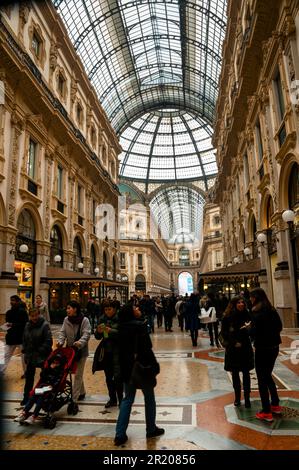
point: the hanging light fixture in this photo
(57, 258)
(288, 216)
(246, 251)
(80, 265)
(23, 248)
(261, 238)
(96, 270)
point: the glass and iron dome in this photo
(155, 66)
(167, 145)
(148, 54)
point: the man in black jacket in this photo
(16, 319)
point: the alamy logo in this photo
(295, 354)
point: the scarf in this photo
(76, 320)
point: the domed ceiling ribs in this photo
(155, 66)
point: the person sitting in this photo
(50, 377)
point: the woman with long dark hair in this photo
(76, 332)
(238, 349)
(135, 342)
(266, 332)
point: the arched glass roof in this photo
(155, 66)
(167, 146)
(178, 211)
(148, 54)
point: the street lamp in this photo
(96, 271)
(236, 260)
(261, 238)
(288, 216)
(80, 265)
(23, 248)
(246, 251)
(57, 258)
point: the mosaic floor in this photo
(194, 404)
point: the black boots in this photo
(237, 401)
(247, 399)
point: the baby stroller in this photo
(62, 393)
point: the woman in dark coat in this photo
(37, 345)
(266, 333)
(238, 349)
(107, 331)
(134, 341)
(192, 321)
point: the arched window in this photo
(293, 188)
(26, 236)
(93, 259)
(56, 246)
(77, 257)
(140, 284)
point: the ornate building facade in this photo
(58, 160)
(256, 136)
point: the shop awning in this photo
(237, 271)
(60, 275)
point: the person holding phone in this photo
(238, 350)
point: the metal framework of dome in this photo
(155, 66)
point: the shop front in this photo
(69, 285)
(25, 257)
(231, 280)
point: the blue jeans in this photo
(126, 406)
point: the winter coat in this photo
(191, 315)
(37, 342)
(266, 327)
(134, 339)
(237, 358)
(69, 332)
(110, 345)
(18, 317)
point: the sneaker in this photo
(264, 416)
(156, 432)
(276, 409)
(118, 441)
(31, 420)
(110, 403)
(22, 416)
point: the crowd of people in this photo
(249, 333)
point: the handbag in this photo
(144, 376)
(205, 313)
(99, 357)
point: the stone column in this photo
(284, 276)
(42, 260)
(8, 280)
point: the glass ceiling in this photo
(148, 54)
(167, 146)
(178, 211)
(155, 66)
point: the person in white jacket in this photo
(208, 316)
(76, 331)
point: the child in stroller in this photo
(53, 390)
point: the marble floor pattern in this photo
(194, 404)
